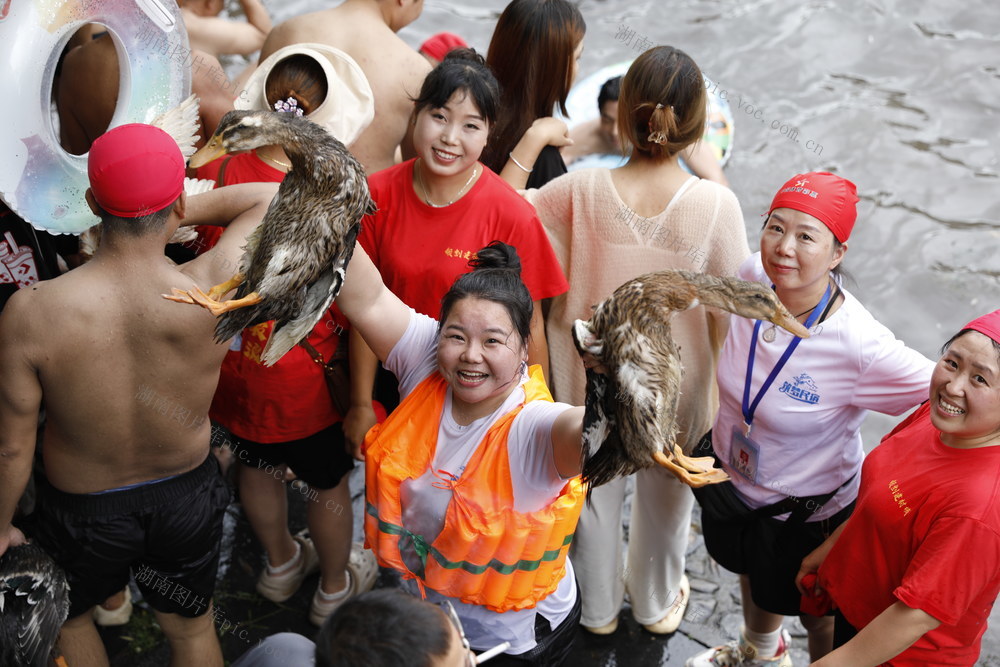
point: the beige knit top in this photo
(601, 243)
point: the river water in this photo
(900, 96)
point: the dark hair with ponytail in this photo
(661, 108)
(495, 276)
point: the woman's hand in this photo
(810, 565)
(812, 562)
(550, 131)
(357, 422)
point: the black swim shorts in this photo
(320, 460)
(167, 532)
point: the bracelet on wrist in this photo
(519, 165)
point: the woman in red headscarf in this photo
(790, 413)
(926, 529)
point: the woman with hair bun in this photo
(472, 483)
(647, 215)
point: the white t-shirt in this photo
(536, 483)
(807, 426)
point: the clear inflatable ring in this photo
(40, 181)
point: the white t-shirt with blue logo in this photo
(805, 437)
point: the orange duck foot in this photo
(693, 479)
(196, 296)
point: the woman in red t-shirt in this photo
(283, 416)
(916, 569)
(437, 210)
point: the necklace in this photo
(420, 182)
(772, 332)
(284, 165)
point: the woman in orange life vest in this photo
(473, 491)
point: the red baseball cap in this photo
(827, 197)
(987, 324)
(135, 170)
(439, 45)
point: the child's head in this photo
(317, 81)
(299, 77)
(661, 108)
(461, 70)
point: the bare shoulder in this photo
(22, 322)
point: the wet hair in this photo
(383, 628)
(661, 107)
(461, 69)
(298, 76)
(944, 348)
(610, 92)
(496, 277)
(138, 226)
(531, 53)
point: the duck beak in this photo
(210, 151)
(784, 319)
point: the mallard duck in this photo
(294, 262)
(629, 421)
(34, 602)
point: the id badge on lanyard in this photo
(744, 454)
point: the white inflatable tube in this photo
(40, 181)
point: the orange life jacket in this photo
(487, 553)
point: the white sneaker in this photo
(280, 587)
(742, 653)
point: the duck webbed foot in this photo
(696, 472)
(210, 301)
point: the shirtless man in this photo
(366, 30)
(126, 379)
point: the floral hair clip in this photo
(290, 105)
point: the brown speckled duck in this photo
(630, 417)
(294, 262)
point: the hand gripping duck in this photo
(630, 417)
(294, 262)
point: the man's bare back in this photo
(127, 377)
(366, 30)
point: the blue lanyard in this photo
(750, 408)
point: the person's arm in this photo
(814, 560)
(543, 132)
(20, 400)
(218, 36)
(567, 442)
(538, 346)
(889, 634)
(360, 417)
(214, 90)
(240, 208)
(378, 314)
(700, 158)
